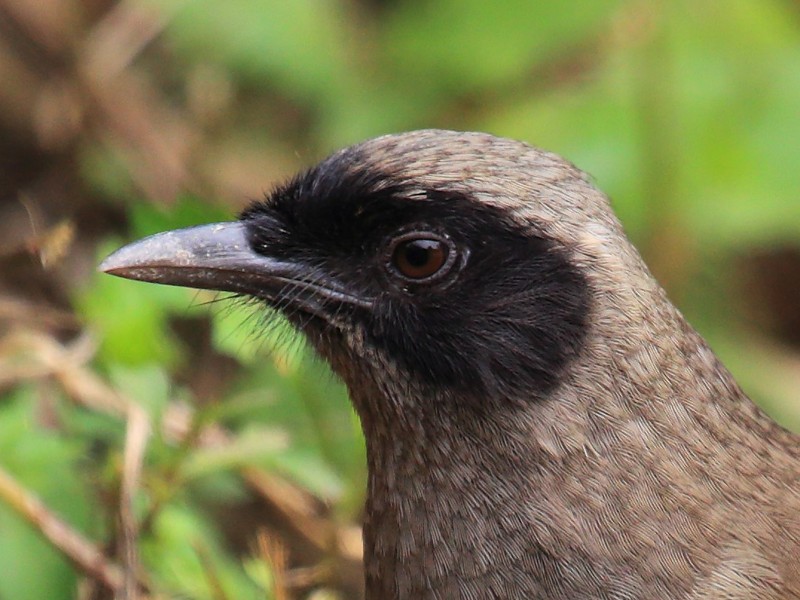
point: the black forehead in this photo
(340, 205)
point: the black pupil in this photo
(418, 252)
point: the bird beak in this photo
(219, 257)
(211, 257)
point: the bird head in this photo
(429, 264)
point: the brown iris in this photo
(420, 257)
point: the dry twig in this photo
(83, 553)
(135, 443)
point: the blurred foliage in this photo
(124, 119)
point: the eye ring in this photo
(421, 256)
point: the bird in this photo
(541, 422)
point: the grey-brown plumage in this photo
(540, 421)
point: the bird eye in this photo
(422, 256)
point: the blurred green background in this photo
(201, 455)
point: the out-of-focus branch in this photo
(274, 553)
(83, 553)
(136, 437)
(121, 35)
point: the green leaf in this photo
(147, 385)
(186, 558)
(297, 46)
(466, 44)
(255, 445)
(132, 318)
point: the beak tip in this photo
(158, 258)
(108, 265)
(123, 259)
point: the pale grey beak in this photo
(219, 257)
(212, 257)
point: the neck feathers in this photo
(629, 480)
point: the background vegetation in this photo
(155, 443)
